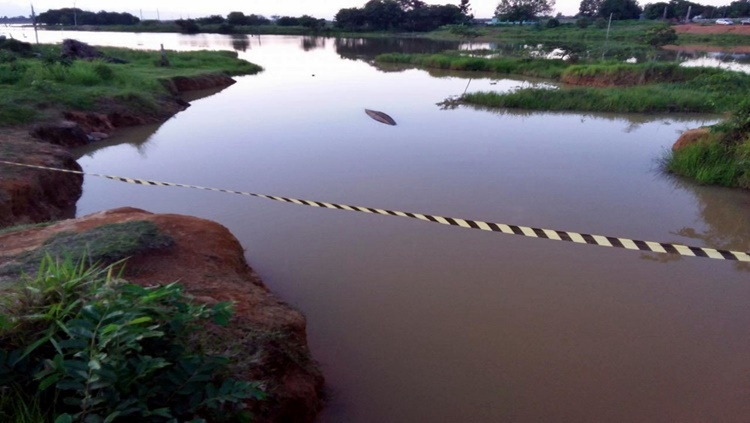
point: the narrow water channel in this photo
(416, 322)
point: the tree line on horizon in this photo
(404, 15)
(71, 16)
(409, 15)
(528, 10)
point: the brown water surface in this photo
(416, 322)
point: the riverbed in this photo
(414, 321)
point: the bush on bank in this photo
(77, 344)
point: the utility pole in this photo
(158, 18)
(75, 15)
(687, 18)
(665, 13)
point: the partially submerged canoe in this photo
(380, 117)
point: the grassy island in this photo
(597, 86)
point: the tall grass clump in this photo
(645, 99)
(722, 158)
(625, 74)
(78, 344)
(708, 163)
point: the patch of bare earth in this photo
(712, 29)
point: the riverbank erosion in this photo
(266, 339)
(34, 196)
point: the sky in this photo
(175, 9)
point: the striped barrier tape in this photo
(575, 237)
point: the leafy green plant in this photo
(93, 348)
(737, 128)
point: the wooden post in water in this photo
(33, 21)
(164, 62)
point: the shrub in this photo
(553, 23)
(583, 23)
(660, 36)
(736, 129)
(93, 348)
(600, 23)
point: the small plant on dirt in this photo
(736, 129)
(89, 347)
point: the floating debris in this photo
(380, 117)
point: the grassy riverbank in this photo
(37, 84)
(717, 156)
(597, 86)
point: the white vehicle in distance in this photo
(745, 22)
(724, 22)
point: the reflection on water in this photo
(240, 42)
(417, 322)
(313, 42)
(724, 211)
(722, 62)
(368, 48)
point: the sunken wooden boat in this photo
(380, 117)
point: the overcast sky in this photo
(170, 9)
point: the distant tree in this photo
(211, 20)
(310, 22)
(656, 11)
(257, 20)
(188, 26)
(677, 9)
(590, 8)
(69, 16)
(384, 14)
(465, 7)
(236, 18)
(660, 36)
(351, 19)
(523, 10)
(409, 15)
(287, 21)
(620, 9)
(738, 9)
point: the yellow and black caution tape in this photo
(578, 238)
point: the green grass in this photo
(541, 68)
(647, 99)
(31, 88)
(634, 88)
(712, 163)
(18, 407)
(105, 244)
(19, 228)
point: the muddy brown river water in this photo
(416, 322)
